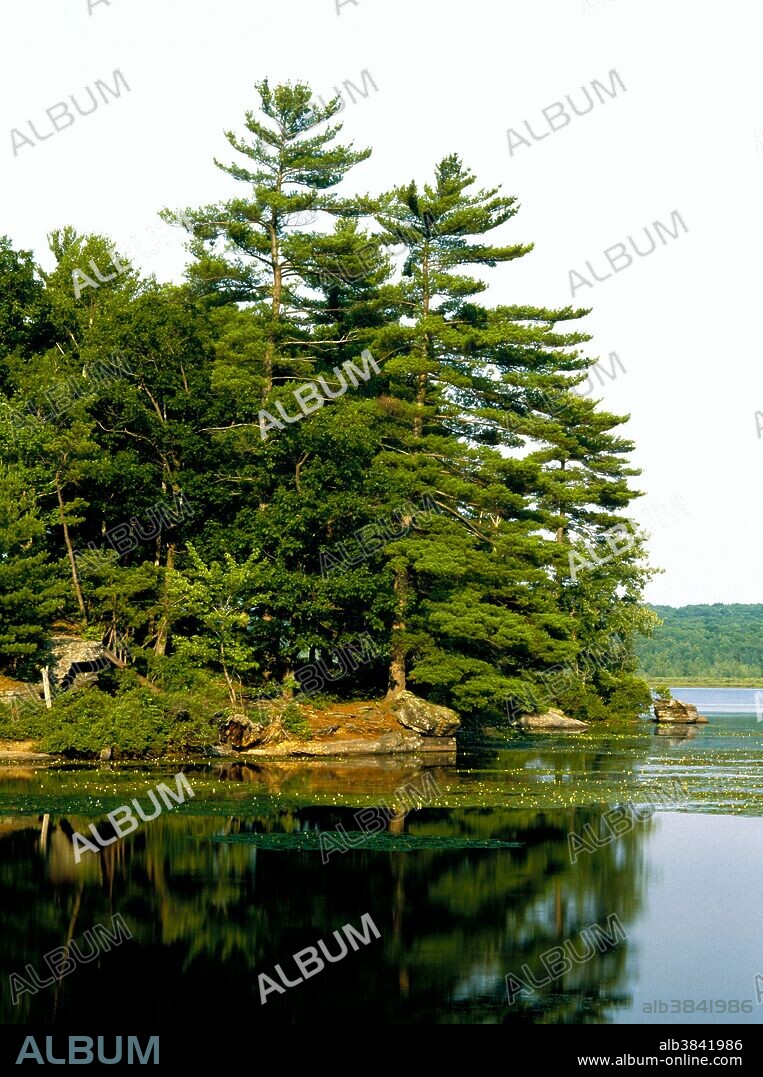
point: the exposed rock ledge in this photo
(388, 744)
(372, 727)
(672, 710)
(550, 721)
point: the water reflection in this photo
(208, 917)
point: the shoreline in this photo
(689, 682)
(337, 736)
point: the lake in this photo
(654, 901)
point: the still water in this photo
(230, 884)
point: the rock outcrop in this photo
(76, 662)
(550, 721)
(675, 712)
(404, 740)
(241, 733)
(404, 725)
(428, 719)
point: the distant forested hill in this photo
(707, 644)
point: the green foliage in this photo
(628, 696)
(135, 722)
(30, 592)
(22, 722)
(219, 596)
(582, 701)
(294, 722)
(211, 540)
(705, 644)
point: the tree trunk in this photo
(562, 529)
(46, 687)
(44, 833)
(275, 308)
(163, 631)
(231, 688)
(70, 549)
(397, 659)
(422, 379)
(120, 663)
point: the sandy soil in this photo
(20, 749)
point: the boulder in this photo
(239, 732)
(428, 719)
(676, 712)
(76, 662)
(550, 721)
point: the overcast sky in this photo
(679, 128)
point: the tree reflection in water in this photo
(207, 917)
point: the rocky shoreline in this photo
(405, 723)
(387, 744)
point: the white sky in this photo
(686, 135)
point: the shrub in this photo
(629, 698)
(22, 722)
(294, 722)
(135, 722)
(581, 701)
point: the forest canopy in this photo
(324, 435)
(705, 644)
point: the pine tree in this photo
(30, 592)
(600, 557)
(459, 369)
(253, 248)
(297, 303)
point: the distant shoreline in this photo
(708, 682)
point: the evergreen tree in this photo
(253, 249)
(297, 304)
(460, 366)
(24, 319)
(30, 593)
(478, 376)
